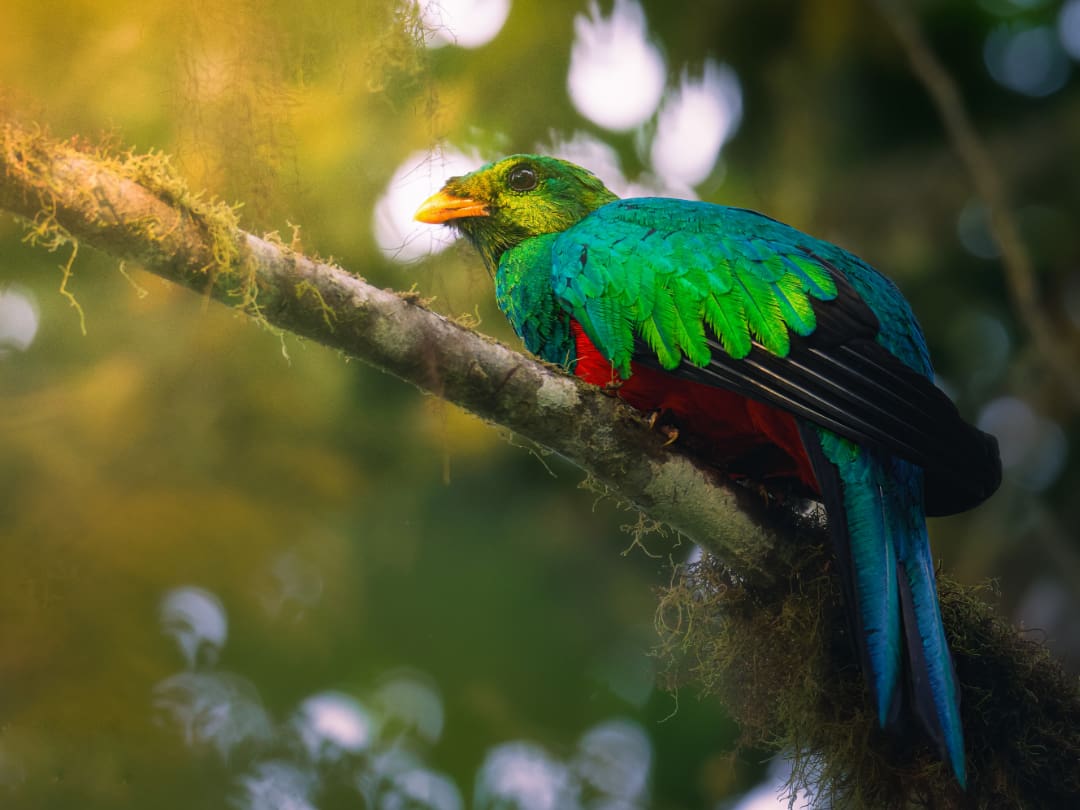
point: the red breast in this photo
(748, 438)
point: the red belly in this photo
(747, 438)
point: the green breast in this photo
(524, 293)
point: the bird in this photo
(787, 360)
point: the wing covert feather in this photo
(671, 267)
(731, 298)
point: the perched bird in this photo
(785, 357)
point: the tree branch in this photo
(137, 209)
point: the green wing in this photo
(669, 271)
(730, 298)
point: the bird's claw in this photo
(672, 434)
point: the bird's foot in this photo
(611, 388)
(672, 434)
(652, 421)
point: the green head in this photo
(506, 202)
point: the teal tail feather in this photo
(876, 520)
(935, 695)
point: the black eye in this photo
(522, 178)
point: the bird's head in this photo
(504, 203)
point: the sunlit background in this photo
(240, 571)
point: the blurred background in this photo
(241, 571)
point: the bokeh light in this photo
(19, 316)
(293, 585)
(1069, 28)
(410, 703)
(616, 72)
(602, 160)
(465, 23)
(1027, 60)
(695, 121)
(1014, 424)
(333, 741)
(524, 776)
(775, 792)
(598, 156)
(196, 621)
(1033, 449)
(628, 670)
(421, 174)
(277, 785)
(216, 710)
(332, 724)
(615, 759)
(421, 789)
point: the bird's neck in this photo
(492, 244)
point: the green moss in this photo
(328, 314)
(66, 268)
(155, 172)
(31, 155)
(782, 663)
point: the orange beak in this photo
(441, 207)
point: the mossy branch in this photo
(764, 629)
(137, 209)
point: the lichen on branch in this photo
(135, 207)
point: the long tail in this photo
(935, 695)
(876, 520)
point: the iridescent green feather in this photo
(795, 306)
(611, 326)
(659, 329)
(671, 271)
(813, 275)
(763, 314)
(690, 322)
(726, 316)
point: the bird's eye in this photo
(522, 178)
